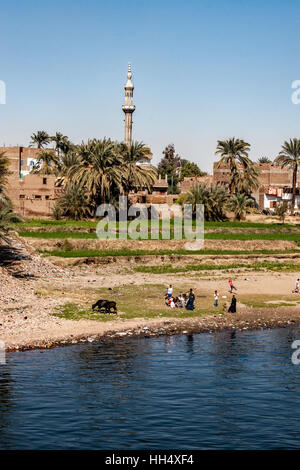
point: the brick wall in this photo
(21, 157)
(270, 175)
(33, 195)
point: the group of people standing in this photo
(187, 300)
(184, 300)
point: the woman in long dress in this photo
(191, 300)
(232, 308)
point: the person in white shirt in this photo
(216, 298)
(297, 286)
(170, 290)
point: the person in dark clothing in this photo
(191, 300)
(232, 308)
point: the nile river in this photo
(207, 391)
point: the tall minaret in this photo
(128, 107)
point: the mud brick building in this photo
(188, 182)
(22, 159)
(31, 195)
(275, 184)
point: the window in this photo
(22, 196)
(37, 196)
(47, 197)
(44, 180)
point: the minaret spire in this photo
(128, 107)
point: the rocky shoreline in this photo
(257, 320)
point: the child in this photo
(170, 290)
(181, 301)
(231, 286)
(216, 298)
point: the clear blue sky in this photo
(203, 70)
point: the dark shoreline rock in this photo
(171, 329)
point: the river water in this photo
(206, 391)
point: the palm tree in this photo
(246, 179)
(99, 169)
(213, 198)
(47, 163)
(264, 160)
(290, 157)
(41, 138)
(7, 218)
(239, 203)
(74, 203)
(66, 145)
(4, 170)
(59, 140)
(233, 152)
(135, 176)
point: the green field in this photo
(102, 254)
(208, 236)
(33, 223)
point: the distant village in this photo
(35, 194)
(34, 189)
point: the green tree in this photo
(190, 169)
(170, 166)
(41, 138)
(239, 204)
(233, 152)
(290, 157)
(281, 210)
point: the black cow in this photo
(106, 304)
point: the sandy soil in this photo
(95, 244)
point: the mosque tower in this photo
(128, 107)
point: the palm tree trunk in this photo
(231, 186)
(294, 189)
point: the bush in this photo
(67, 246)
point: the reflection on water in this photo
(229, 390)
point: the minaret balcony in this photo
(128, 108)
